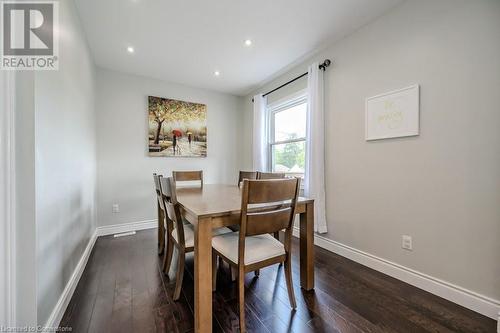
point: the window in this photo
(287, 143)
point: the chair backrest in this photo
(270, 175)
(246, 175)
(156, 179)
(188, 176)
(174, 219)
(168, 190)
(268, 206)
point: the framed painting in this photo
(176, 128)
(393, 114)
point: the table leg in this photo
(203, 276)
(307, 247)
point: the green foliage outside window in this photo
(290, 154)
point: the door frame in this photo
(7, 199)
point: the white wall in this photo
(124, 171)
(442, 187)
(25, 227)
(65, 162)
(17, 147)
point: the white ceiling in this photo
(185, 41)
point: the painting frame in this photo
(401, 119)
(176, 128)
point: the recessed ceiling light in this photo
(216, 73)
(248, 42)
(130, 49)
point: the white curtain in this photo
(314, 185)
(260, 131)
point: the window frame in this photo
(280, 105)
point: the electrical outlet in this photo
(116, 208)
(407, 243)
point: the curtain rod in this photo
(322, 66)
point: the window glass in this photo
(288, 137)
(289, 158)
(290, 123)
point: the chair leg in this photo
(161, 243)
(214, 271)
(167, 259)
(180, 275)
(289, 283)
(161, 233)
(277, 236)
(234, 273)
(221, 262)
(257, 272)
(241, 299)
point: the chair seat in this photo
(189, 233)
(257, 248)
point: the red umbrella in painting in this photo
(177, 133)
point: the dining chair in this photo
(266, 207)
(161, 213)
(242, 176)
(246, 175)
(270, 175)
(180, 233)
(188, 177)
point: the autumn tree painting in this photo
(177, 128)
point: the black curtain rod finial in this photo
(325, 64)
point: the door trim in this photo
(7, 198)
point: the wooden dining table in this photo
(214, 206)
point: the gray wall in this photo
(65, 162)
(124, 170)
(442, 187)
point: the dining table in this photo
(214, 206)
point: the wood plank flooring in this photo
(122, 290)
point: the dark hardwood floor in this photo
(122, 290)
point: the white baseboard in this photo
(126, 227)
(62, 303)
(456, 294)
